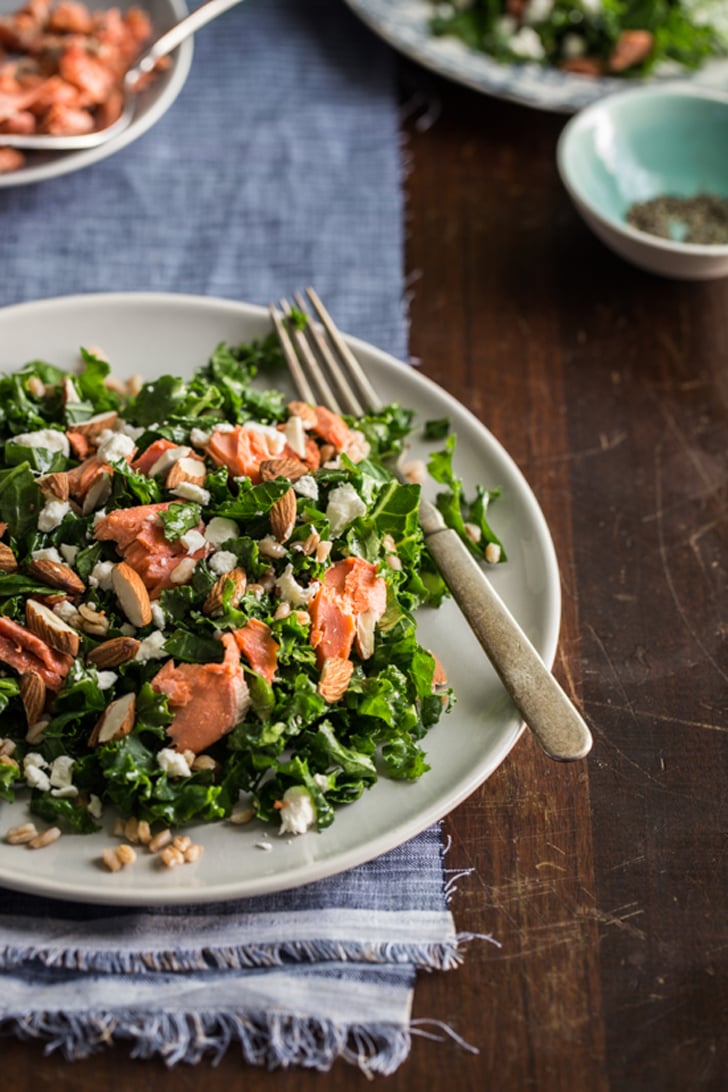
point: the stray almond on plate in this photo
(335, 676)
(50, 628)
(57, 575)
(119, 650)
(116, 721)
(283, 516)
(132, 594)
(33, 695)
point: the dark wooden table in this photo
(605, 881)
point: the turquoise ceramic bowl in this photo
(640, 144)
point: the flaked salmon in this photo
(350, 588)
(139, 537)
(207, 700)
(24, 651)
(258, 646)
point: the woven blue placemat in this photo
(279, 165)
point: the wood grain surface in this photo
(604, 882)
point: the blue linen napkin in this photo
(278, 166)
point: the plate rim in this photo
(341, 860)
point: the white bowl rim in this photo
(643, 238)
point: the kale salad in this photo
(208, 595)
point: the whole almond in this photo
(119, 650)
(188, 469)
(33, 695)
(116, 721)
(57, 575)
(8, 561)
(335, 676)
(50, 628)
(306, 412)
(283, 516)
(95, 425)
(290, 468)
(55, 485)
(214, 601)
(132, 594)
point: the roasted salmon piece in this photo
(259, 648)
(140, 539)
(207, 700)
(350, 588)
(242, 449)
(24, 651)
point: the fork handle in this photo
(548, 712)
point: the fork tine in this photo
(299, 379)
(366, 391)
(308, 362)
(346, 392)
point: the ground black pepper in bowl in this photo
(701, 219)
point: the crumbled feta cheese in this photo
(100, 575)
(36, 778)
(527, 44)
(191, 492)
(307, 486)
(219, 530)
(538, 11)
(34, 759)
(193, 541)
(49, 439)
(98, 516)
(167, 460)
(69, 553)
(295, 435)
(49, 554)
(151, 648)
(67, 613)
(127, 629)
(114, 445)
(158, 615)
(106, 679)
(292, 592)
(61, 769)
(130, 430)
(322, 782)
(173, 763)
(94, 807)
(573, 45)
(222, 561)
(224, 426)
(66, 793)
(344, 506)
(198, 438)
(297, 812)
(52, 514)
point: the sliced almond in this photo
(50, 628)
(283, 516)
(187, 469)
(55, 485)
(214, 602)
(8, 561)
(132, 595)
(366, 622)
(335, 676)
(119, 650)
(70, 394)
(57, 575)
(290, 468)
(98, 493)
(95, 425)
(116, 721)
(306, 412)
(33, 695)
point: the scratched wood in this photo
(604, 883)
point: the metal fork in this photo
(325, 370)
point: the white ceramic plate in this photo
(405, 25)
(153, 334)
(152, 104)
